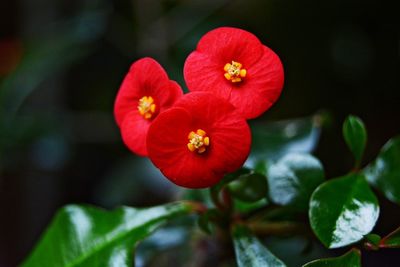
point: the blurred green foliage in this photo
(58, 141)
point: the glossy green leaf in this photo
(250, 252)
(392, 240)
(292, 180)
(343, 210)
(350, 259)
(384, 172)
(355, 135)
(273, 140)
(88, 236)
(249, 187)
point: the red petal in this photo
(262, 86)
(166, 97)
(134, 131)
(229, 140)
(167, 147)
(203, 74)
(167, 137)
(258, 91)
(229, 133)
(226, 44)
(145, 78)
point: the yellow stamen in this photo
(146, 107)
(234, 72)
(198, 141)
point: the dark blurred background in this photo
(61, 64)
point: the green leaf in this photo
(350, 259)
(384, 172)
(293, 178)
(249, 187)
(88, 236)
(343, 210)
(271, 141)
(392, 240)
(355, 135)
(250, 252)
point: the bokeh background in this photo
(61, 64)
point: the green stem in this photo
(227, 199)
(215, 198)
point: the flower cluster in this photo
(197, 138)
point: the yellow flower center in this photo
(146, 107)
(234, 72)
(198, 141)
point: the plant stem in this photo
(215, 198)
(227, 199)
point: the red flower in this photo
(235, 65)
(145, 92)
(198, 140)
